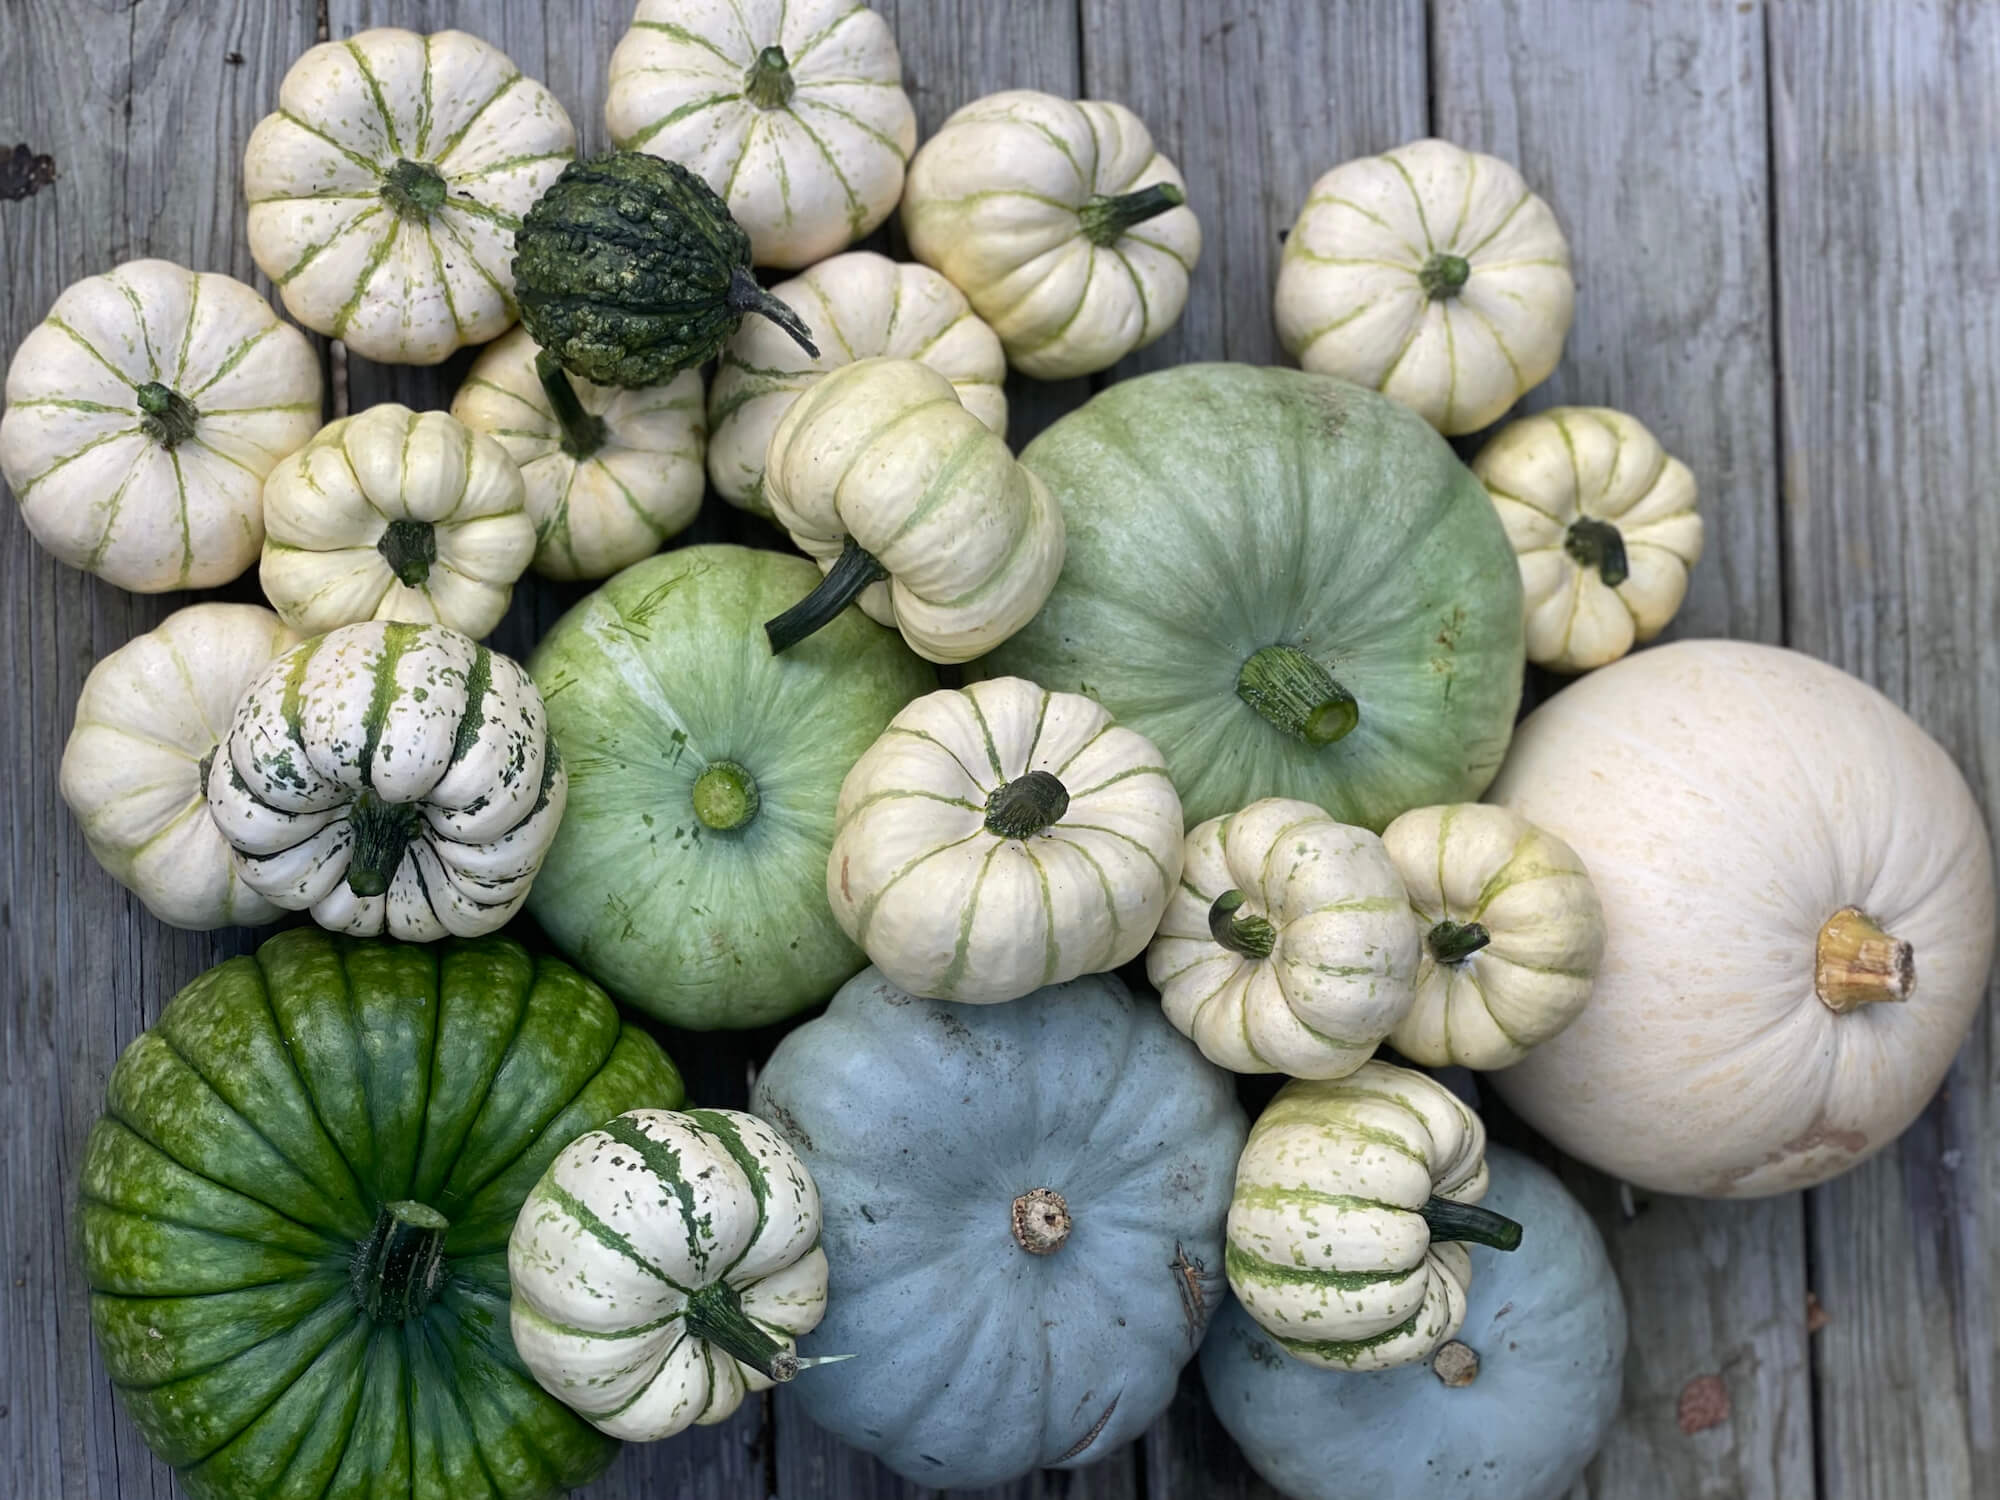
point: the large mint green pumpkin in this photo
(689, 877)
(1288, 584)
(296, 1210)
(1022, 1210)
(1545, 1331)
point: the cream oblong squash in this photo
(142, 416)
(1512, 934)
(148, 722)
(859, 306)
(1288, 946)
(1354, 1200)
(1799, 910)
(1001, 838)
(663, 1269)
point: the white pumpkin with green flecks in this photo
(1352, 1197)
(1512, 934)
(391, 778)
(142, 416)
(664, 1268)
(1288, 947)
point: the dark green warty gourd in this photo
(629, 270)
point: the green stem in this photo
(414, 189)
(1444, 276)
(1600, 545)
(1298, 695)
(851, 572)
(1026, 805)
(382, 831)
(1470, 1224)
(396, 1270)
(409, 548)
(715, 1313)
(725, 796)
(768, 84)
(582, 432)
(1252, 936)
(165, 416)
(1106, 217)
(745, 295)
(1454, 942)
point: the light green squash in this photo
(1287, 583)
(689, 875)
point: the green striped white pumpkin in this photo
(1330, 1243)
(391, 778)
(1288, 947)
(664, 1267)
(1513, 933)
(1000, 838)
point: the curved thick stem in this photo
(1041, 1221)
(409, 548)
(414, 189)
(1105, 217)
(725, 796)
(382, 831)
(715, 1313)
(746, 296)
(1856, 963)
(1251, 936)
(1471, 1224)
(1026, 805)
(768, 84)
(1454, 942)
(851, 572)
(1600, 545)
(1443, 276)
(165, 415)
(396, 1270)
(582, 432)
(1296, 694)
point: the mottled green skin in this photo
(247, 1142)
(660, 673)
(622, 269)
(1216, 509)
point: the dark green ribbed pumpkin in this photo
(296, 1210)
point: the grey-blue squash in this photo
(1022, 1210)
(1545, 1327)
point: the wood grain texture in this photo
(1888, 222)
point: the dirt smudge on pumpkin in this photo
(24, 172)
(1807, 1158)
(1704, 1403)
(787, 1124)
(1193, 1279)
(1096, 1427)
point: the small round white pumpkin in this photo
(1288, 947)
(385, 191)
(391, 778)
(1432, 274)
(609, 474)
(134, 770)
(1000, 838)
(1353, 1196)
(859, 306)
(142, 416)
(664, 1268)
(912, 506)
(1603, 520)
(1798, 907)
(792, 110)
(392, 514)
(1062, 225)
(1512, 934)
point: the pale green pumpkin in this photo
(1287, 583)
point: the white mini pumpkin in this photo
(1000, 838)
(390, 778)
(1288, 947)
(1432, 274)
(1352, 1198)
(142, 416)
(1799, 912)
(792, 110)
(1604, 523)
(385, 191)
(914, 508)
(392, 514)
(663, 1269)
(134, 770)
(609, 474)
(1512, 934)
(858, 306)
(1062, 225)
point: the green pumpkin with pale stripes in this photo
(1352, 1198)
(664, 1267)
(296, 1208)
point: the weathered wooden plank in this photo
(1888, 227)
(1644, 127)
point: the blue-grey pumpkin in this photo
(1512, 1409)
(1022, 1212)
